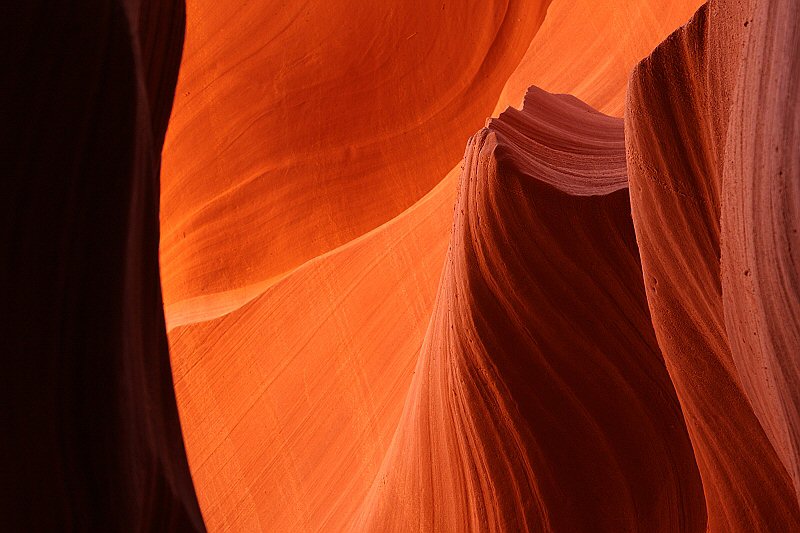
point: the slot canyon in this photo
(405, 266)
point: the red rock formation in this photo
(760, 222)
(292, 118)
(555, 382)
(332, 292)
(680, 129)
(91, 437)
(289, 402)
(540, 401)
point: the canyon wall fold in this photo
(290, 401)
(365, 303)
(299, 126)
(705, 132)
(540, 401)
(591, 324)
(92, 440)
(760, 220)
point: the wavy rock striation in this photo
(611, 341)
(300, 126)
(760, 225)
(92, 440)
(540, 400)
(707, 140)
(289, 402)
(364, 305)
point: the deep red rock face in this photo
(760, 225)
(590, 324)
(540, 400)
(698, 155)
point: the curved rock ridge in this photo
(292, 118)
(691, 152)
(91, 435)
(540, 401)
(289, 402)
(603, 57)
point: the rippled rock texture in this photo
(590, 322)
(710, 145)
(539, 359)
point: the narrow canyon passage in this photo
(404, 266)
